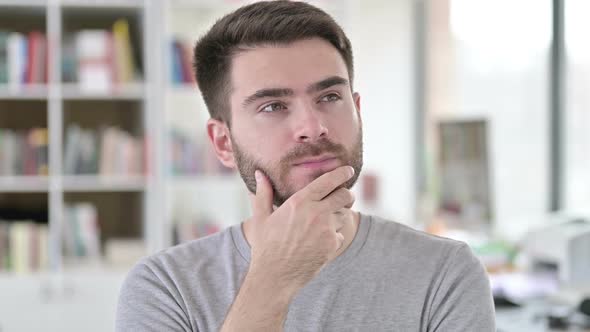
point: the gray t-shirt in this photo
(390, 278)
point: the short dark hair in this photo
(268, 22)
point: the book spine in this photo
(43, 253)
(123, 50)
(16, 60)
(4, 58)
(32, 56)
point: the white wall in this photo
(381, 33)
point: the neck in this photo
(348, 230)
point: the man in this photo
(277, 78)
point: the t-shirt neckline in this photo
(335, 267)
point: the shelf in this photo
(18, 184)
(203, 179)
(205, 182)
(188, 89)
(91, 4)
(24, 92)
(87, 183)
(35, 275)
(86, 266)
(72, 91)
(25, 4)
(198, 5)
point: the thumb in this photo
(262, 201)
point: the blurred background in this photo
(476, 119)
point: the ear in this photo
(357, 102)
(219, 136)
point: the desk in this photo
(529, 318)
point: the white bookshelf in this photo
(192, 196)
(23, 184)
(31, 92)
(72, 91)
(143, 207)
(85, 183)
(63, 103)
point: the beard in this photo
(278, 174)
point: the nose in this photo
(309, 125)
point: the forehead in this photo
(294, 65)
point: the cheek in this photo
(345, 130)
(265, 142)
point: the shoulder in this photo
(429, 256)
(398, 238)
(177, 262)
(190, 255)
(456, 280)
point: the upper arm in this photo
(463, 301)
(146, 304)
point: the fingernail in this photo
(351, 170)
(257, 175)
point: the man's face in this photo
(294, 116)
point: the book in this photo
(20, 250)
(188, 231)
(176, 71)
(190, 155)
(39, 142)
(23, 58)
(43, 245)
(17, 60)
(37, 58)
(94, 60)
(81, 233)
(4, 246)
(108, 151)
(23, 246)
(69, 60)
(3, 57)
(100, 60)
(24, 152)
(123, 52)
(181, 55)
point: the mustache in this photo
(312, 150)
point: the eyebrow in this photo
(326, 83)
(284, 92)
(265, 93)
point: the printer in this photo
(563, 244)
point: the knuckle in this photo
(320, 190)
(294, 201)
(351, 198)
(343, 196)
(316, 218)
(334, 241)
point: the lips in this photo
(321, 164)
(315, 160)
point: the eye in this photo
(332, 97)
(270, 108)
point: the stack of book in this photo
(109, 151)
(23, 246)
(81, 232)
(182, 71)
(23, 58)
(185, 232)
(100, 60)
(190, 156)
(23, 152)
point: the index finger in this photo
(326, 183)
